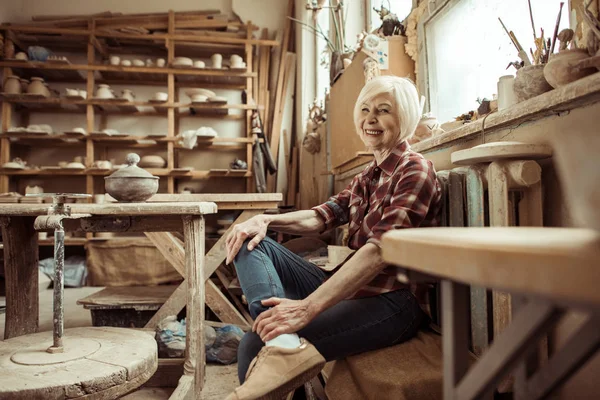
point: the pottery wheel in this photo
(75, 348)
(495, 151)
(97, 363)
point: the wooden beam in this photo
(21, 272)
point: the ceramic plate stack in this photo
(10, 197)
(31, 200)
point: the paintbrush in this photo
(531, 17)
(522, 53)
(511, 35)
(556, 28)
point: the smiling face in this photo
(379, 122)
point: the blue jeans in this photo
(349, 327)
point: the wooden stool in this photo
(98, 363)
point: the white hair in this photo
(406, 99)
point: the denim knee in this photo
(248, 348)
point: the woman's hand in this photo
(286, 316)
(255, 227)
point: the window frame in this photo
(432, 10)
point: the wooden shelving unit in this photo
(97, 41)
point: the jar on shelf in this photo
(12, 85)
(37, 86)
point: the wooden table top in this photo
(116, 209)
(558, 263)
(226, 201)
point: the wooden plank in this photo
(21, 274)
(194, 365)
(129, 296)
(221, 199)
(528, 326)
(171, 123)
(185, 389)
(289, 75)
(505, 258)
(121, 209)
(173, 251)
(573, 355)
(293, 181)
(455, 325)
(278, 92)
(167, 374)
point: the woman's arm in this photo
(290, 316)
(305, 222)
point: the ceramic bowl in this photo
(75, 165)
(21, 56)
(152, 161)
(199, 98)
(183, 62)
(138, 63)
(160, 96)
(126, 63)
(192, 92)
(199, 64)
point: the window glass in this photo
(468, 50)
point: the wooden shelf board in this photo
(68, 242)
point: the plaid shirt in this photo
(401, 192)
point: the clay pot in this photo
(37, 86)
(131, 183)
(530, 82)
(570, 65)
(12, 85)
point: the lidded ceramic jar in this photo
(131, 183)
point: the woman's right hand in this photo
(255, 228)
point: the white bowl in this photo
(160, 96)
(138, 63)
(183, 61)
(199, 64)
(192, 92)
(126, 63)
(199, 98)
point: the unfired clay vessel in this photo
(570, 65)
(131, 183)
(530, 82)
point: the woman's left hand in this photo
(286, 316)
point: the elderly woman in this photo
(305, 316)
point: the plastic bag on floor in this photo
(170, 335)
(224, 349)
(75, 271)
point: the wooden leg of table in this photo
(528, 325)
(193, 231)
(455, 340)
(582, 344)
(21, 261)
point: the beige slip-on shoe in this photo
(276, 371)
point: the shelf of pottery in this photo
(76, 115)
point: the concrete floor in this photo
(220, 379)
